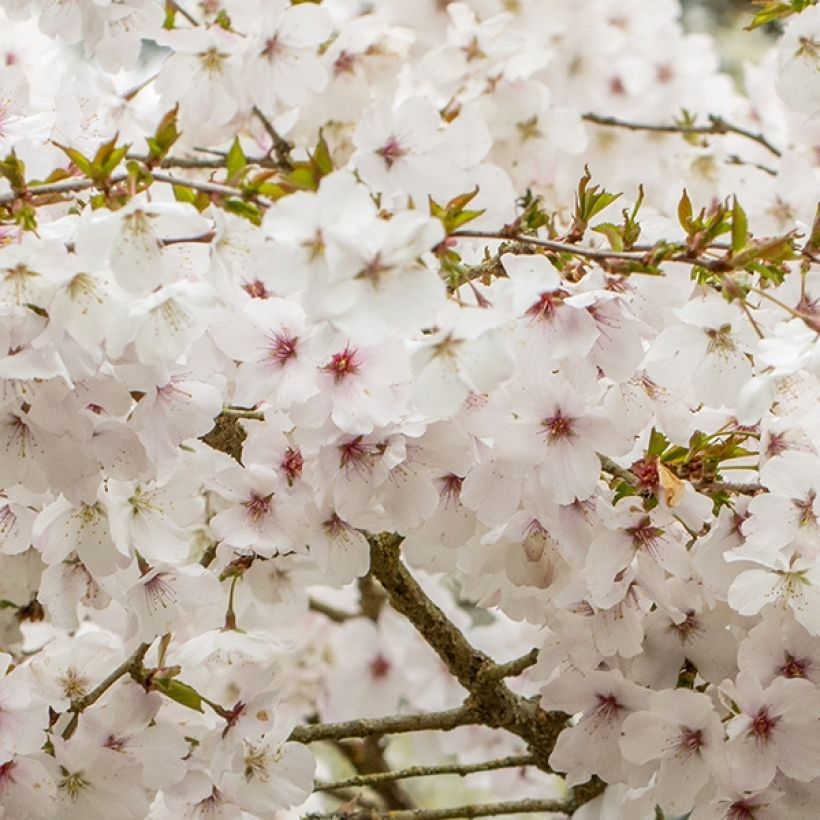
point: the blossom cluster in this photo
(277, 277)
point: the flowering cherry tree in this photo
(409, 409)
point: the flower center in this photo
(762, 725)
(391, 152)
(343, 364)
(557, 427)
(379, 667)
(283, 347)
(793, 667)
(258, 506)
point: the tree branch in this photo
(132, 662)
(460, 769)
(280, 146)
(367, 758)
(717, 126)
(464, 715)
(475, 810)
(511, 669)
(601, 255)
(337, 615)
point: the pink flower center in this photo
(283, 347)
(805, 506)
(272, 47)
(256, 289)
(557, 427)
(6, 770)
(357, 455)
(117, 744)
(292, 463)
(690, 741)
(379, 667)
(645, 536)
(343, 364)
(548, 302)
(793, 667)
(344, 63)
(391, 152)
(258, 506)
(689, 628)
(762, 725)
(607, 709)
(450, 488)
(335, 527)
(646, 471)
(741, 810)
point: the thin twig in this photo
(243, 413)
(602, 255)
(79, 705)
(512, 668)
(187, 15)
(717, 126)
(460, 769)
(474, 810)
(205, 187)
(393, 724)
(204, 164)
(337, 615)
(367, 758)
(280, 146)
(61, 187)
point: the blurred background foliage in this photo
(726, 21)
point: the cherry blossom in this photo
(371, 367)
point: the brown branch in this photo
(280, 146)
(601, 255)
(367, 758)
(203, 238)
(131, 663)
(717, 126)
(61, 187)
(512, 668)
(464, 715)
(615, 470)
(492, 701)
(82, 183)
(206, 187)
(497, 706)
(460, 769)
(337, 615)
(204, 164)
(474, 810)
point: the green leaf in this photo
(589, 201)
(777, 10)
(685, 213)
(613, 233)
(623, 490)
(320, 158)
(82, 162)
(178, 691)
(247, 210)
(14, 170)
(453, 215)
(775, 249)
(199, 199)
(165, 135)
(658, 442)
(235, 162)
(814, 237)
(740, 231)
